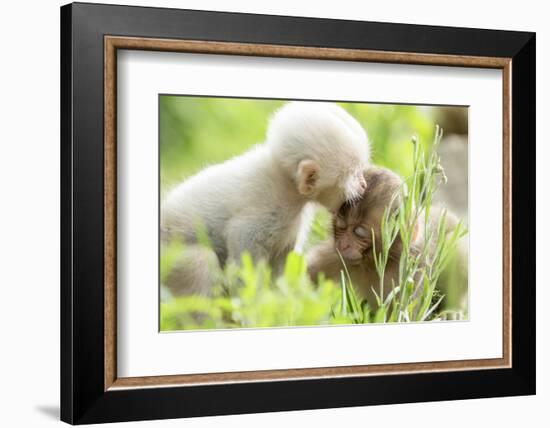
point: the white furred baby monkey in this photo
(255, 202)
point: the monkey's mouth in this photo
(364, 256)
(354, 261)
(349, 257)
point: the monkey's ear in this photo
(308, 175)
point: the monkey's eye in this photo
(340, 223)
(361, 232)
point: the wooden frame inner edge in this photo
(112, 43)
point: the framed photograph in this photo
(265, 213)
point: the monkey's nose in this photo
(344, 247)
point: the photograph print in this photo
(281, 213)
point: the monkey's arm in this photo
(323, 258)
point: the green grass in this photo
(412, 297)
(248, 296)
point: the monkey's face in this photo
(355, 231)
(357, 224)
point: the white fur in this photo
(325, 133)
(251, 202)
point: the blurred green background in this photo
(198, 131)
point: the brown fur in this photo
(383, 190)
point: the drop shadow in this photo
(49, 410)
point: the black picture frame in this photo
(83, 396)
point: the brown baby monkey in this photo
(357, 227)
